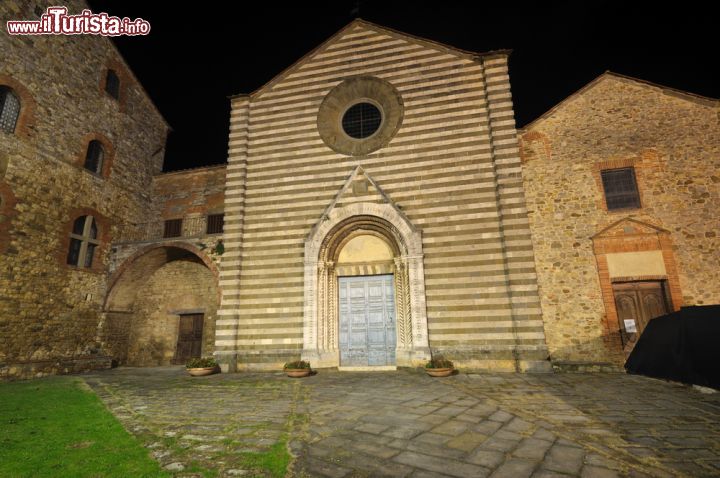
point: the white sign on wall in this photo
(630, 327)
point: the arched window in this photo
(112, 84)
(83, 242)
(94, 156)
(9, 109)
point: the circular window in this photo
(361, 120)
(360, 115)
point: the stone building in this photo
(622, 183)
(80, 142)
(378, 206)
(375, 212)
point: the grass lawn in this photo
(54, 427)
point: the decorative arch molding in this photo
(322, 246)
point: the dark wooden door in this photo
(189, 344)
(637, 303)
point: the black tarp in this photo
(683, 346)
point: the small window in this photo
(173, 228)
(9, 109)
(361, 120)
(621, 191)
(112, 84)
(94, 156)
(83, 242)
(215, 223)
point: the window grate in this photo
(361, 120)
(215, 223)
(620, 187)
(9, 109)
(173, 228)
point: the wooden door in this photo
(637, 303)
(367, 320)
(189, 344)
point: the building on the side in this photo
(622, 184)
(80, 143)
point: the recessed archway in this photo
(161, 306)
(323, 249)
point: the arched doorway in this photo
(161, 307)
(364, 290)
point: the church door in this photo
(367, 321)
(637, 303)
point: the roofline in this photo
(475, 56)
(190, 170)
(134, 77)
(664, 89)
(139, 83)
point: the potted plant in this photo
(298, 368)
(198, 367)
(439, 366)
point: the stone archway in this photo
(322, 248)
(154, 296)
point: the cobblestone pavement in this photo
(404, 423)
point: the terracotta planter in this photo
(439, 372)
(199, 372)
(297, 372)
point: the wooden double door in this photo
(637, 303)
(189, 344)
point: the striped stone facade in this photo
(451, 172)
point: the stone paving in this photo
(405, 424)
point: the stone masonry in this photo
(49, 311)
(672, 140)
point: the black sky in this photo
(194, 58)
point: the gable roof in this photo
(379, 29)
(684, 95)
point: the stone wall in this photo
(672, 140)
(49, 311)
(182, 286)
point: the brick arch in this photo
(125, 81)
(133, 272)
(534, 145)
(108, 150)
(26, 121)
(103, 224)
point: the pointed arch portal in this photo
(323, 247)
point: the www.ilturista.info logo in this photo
(56, 21)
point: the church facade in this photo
(378, 207)
(374, 212)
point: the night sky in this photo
(557, 48)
